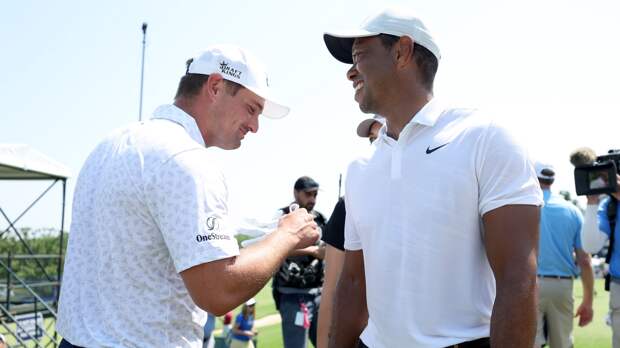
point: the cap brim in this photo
(271, 109)
(275, 110)
(340, 44)
(363, 129)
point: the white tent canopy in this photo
(19, 161)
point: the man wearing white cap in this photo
(442, 215)
(151, 247)
(560, 226)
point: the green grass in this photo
(597, 334)
(271, 337)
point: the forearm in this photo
(333, 266)
(350, 314)
(592, 238)
(325, 318)
(587, 281)
(254, 267)
(220, 286)
(513, 322)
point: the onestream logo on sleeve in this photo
(213, 225)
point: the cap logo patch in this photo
(227, 70)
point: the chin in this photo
(230, 146)
(366, 106)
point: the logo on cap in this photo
(225, 69)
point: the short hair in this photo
(546, 181)
(191, 84)
(425, 59)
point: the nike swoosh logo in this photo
(429, 150)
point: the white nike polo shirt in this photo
(149, 203)
(414, 206)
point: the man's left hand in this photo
(585, 314)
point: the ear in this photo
(404, 51)
(214, 86)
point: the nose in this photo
(253, 124)
(352, 72)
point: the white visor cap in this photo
(238, 65)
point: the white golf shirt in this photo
(149, 203)
(414, 206)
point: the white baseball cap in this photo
(363, 129)
(250, 302)
(544, 170)
(398, 22)
(238, 65)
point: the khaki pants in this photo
(241, 344)
(555, 304)
(614, 308)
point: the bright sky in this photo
(70, 73)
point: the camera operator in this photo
(297, 284)
(599, 222)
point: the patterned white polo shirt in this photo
(149, 203)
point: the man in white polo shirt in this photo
(442, 213)
(151, 247)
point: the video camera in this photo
(598, 177)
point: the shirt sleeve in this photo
(505, 174)
(352, 240)
(592, 238)
(187, 197)
(578, 227)
(334, 230)
(603, 219)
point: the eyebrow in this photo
(257, 105)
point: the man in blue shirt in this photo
(596, 231)
(560, 252)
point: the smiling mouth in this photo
(358, 85)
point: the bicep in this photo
(334, 260)
(511, 239)
(205, 281)
(353, 268)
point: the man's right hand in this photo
(301, 226)
(594, 199)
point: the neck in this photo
(400, 112)
(190, 108)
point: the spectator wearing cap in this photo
(560, 227)
(3, 343)
(369, 128)
(151, 250)
(297, 284)
(333, 236)
(442, 216)
(243, 332)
